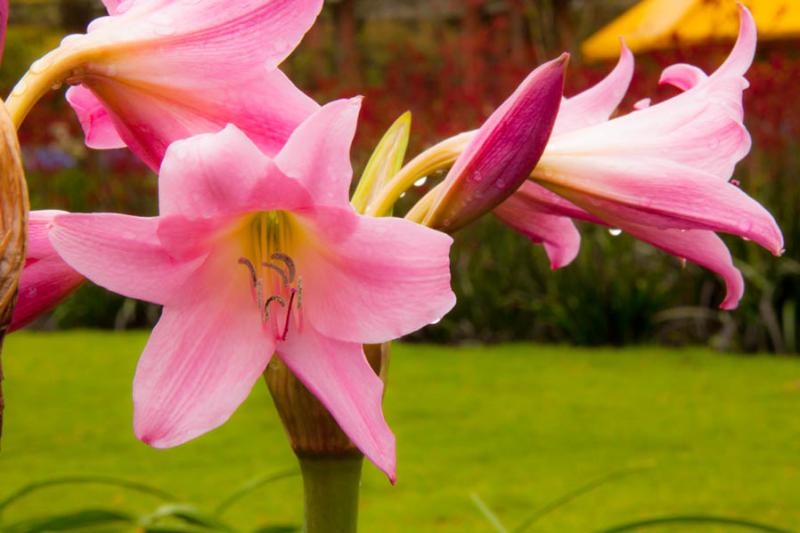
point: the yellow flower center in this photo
(269, 239)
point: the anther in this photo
(280, 272)
(246, 262)
(289, 264)
(273, 298)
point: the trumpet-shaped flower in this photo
(252, 255)
(660, 173)
(156, 71)
(46, 278)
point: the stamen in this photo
(289, 264)
(299, 293)
(280, 272)
(273, 298)
(246, 262)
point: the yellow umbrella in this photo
(659, 24)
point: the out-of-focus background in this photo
(451, 62)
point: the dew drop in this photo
(436, 321)
(420, 182)
(615, 232)
(40, 65)
(476, 176)
(20, 88)
(403, 195)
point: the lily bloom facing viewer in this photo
(252, 255)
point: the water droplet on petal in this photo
(420, 182)
(615, 232)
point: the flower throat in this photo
(274, 279)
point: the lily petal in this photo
(377, 280)
(664, 196)
(153, 59)
(121, 253)
(701, 247)
(558, 234)
(97, 125)
(202, 360)
(682, 76)
(219, 175)
(338, 374)
(46, 279)
(597, 103)
(328, 133)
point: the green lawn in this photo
(519, 425)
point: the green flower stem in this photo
(331, 493)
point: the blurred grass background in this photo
(519, 425)
(451, 63)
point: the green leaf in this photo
(83, 519)
(78, 480)
(576, 493)
(252, 485)
(385, 162)
(278, 529)
(189, 514)
(695, 519)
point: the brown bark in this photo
(13, 227)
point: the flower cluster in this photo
(258, 252)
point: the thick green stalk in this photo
(330, 485)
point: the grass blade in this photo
(77, 480)
(252, 485)
(695, 519)
(78, 520)
(570, 496)
(488, 513)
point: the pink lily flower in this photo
(252, 255)
(46, 278)
(156, 71)
(661, 173)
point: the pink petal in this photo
(318, 152)
(46, 279)
(338, 374)
(561, 239)
(741, 57)
(663, 196)
(503, 153)
(95, 121)
(223, 33)
(698, 128)
(121, 253)
(222, 175)
(113, 6)
(202, 359)
(597, 103)
(156, 82)
(370, 280)
(682, 76)
(266, 106)
(701, 247)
